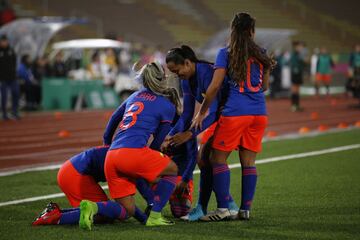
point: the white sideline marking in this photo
(57, 166)
(237, 165)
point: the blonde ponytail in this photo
(153, 78)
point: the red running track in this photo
(34, 140)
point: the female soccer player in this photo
(78, 178)
(149, 111)
(195, 78)
(243, 119)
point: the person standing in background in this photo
(275, 75)
(40, 69)
(58, 68)
(313, 64)
(8, 78)
(24, 73)
(297, 68)
(323, 70)
(353, 83)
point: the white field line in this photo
(237, 165)
(57, 166)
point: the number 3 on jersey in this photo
(130, 117)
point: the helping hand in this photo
(181, 138)
(197, 122)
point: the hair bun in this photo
(243, 21)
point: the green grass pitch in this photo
(315, 197)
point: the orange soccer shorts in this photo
(240, 131)
(78, 187)
(325, 78)
(208, 133)
(124, 165)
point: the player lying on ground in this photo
(195, 76)
(79, 179)
(149, 111)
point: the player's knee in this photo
(173, 168)
(247, 162)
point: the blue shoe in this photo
(233, 206)
(234, 210)
(195, 214)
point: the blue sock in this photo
(249, 177)
(221, 184)
(206, 187)
(139, 215)
(163, 191)
(145, 190)
(68, 209)
(69, 216)
(112, 210)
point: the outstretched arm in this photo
(113, 123)
(215, 86)
(188, 112)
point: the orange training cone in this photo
(271, 134)
(64, 134)
(314, 116)
(304, 130)
(323, 128)
(342, 125)
(357, 124)
(58, 115)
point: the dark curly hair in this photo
(242, 47)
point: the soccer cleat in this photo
(244, 214)
(148, 209)
(217, 215)
(195, 214)
(87, 211)
(50, 216)
(155, 219)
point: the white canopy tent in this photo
(268, 38)
(90, 44)
(31, 36)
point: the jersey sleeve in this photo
(167, 112)
(222, 59)
(208, 120)
(113, 124)
(167, 117)
(160, 135)
(188, 112)
(206, 78)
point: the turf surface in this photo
(306, 198)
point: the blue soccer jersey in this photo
(246, 98)
(194, 90)
(91, 162)
(143, 114)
